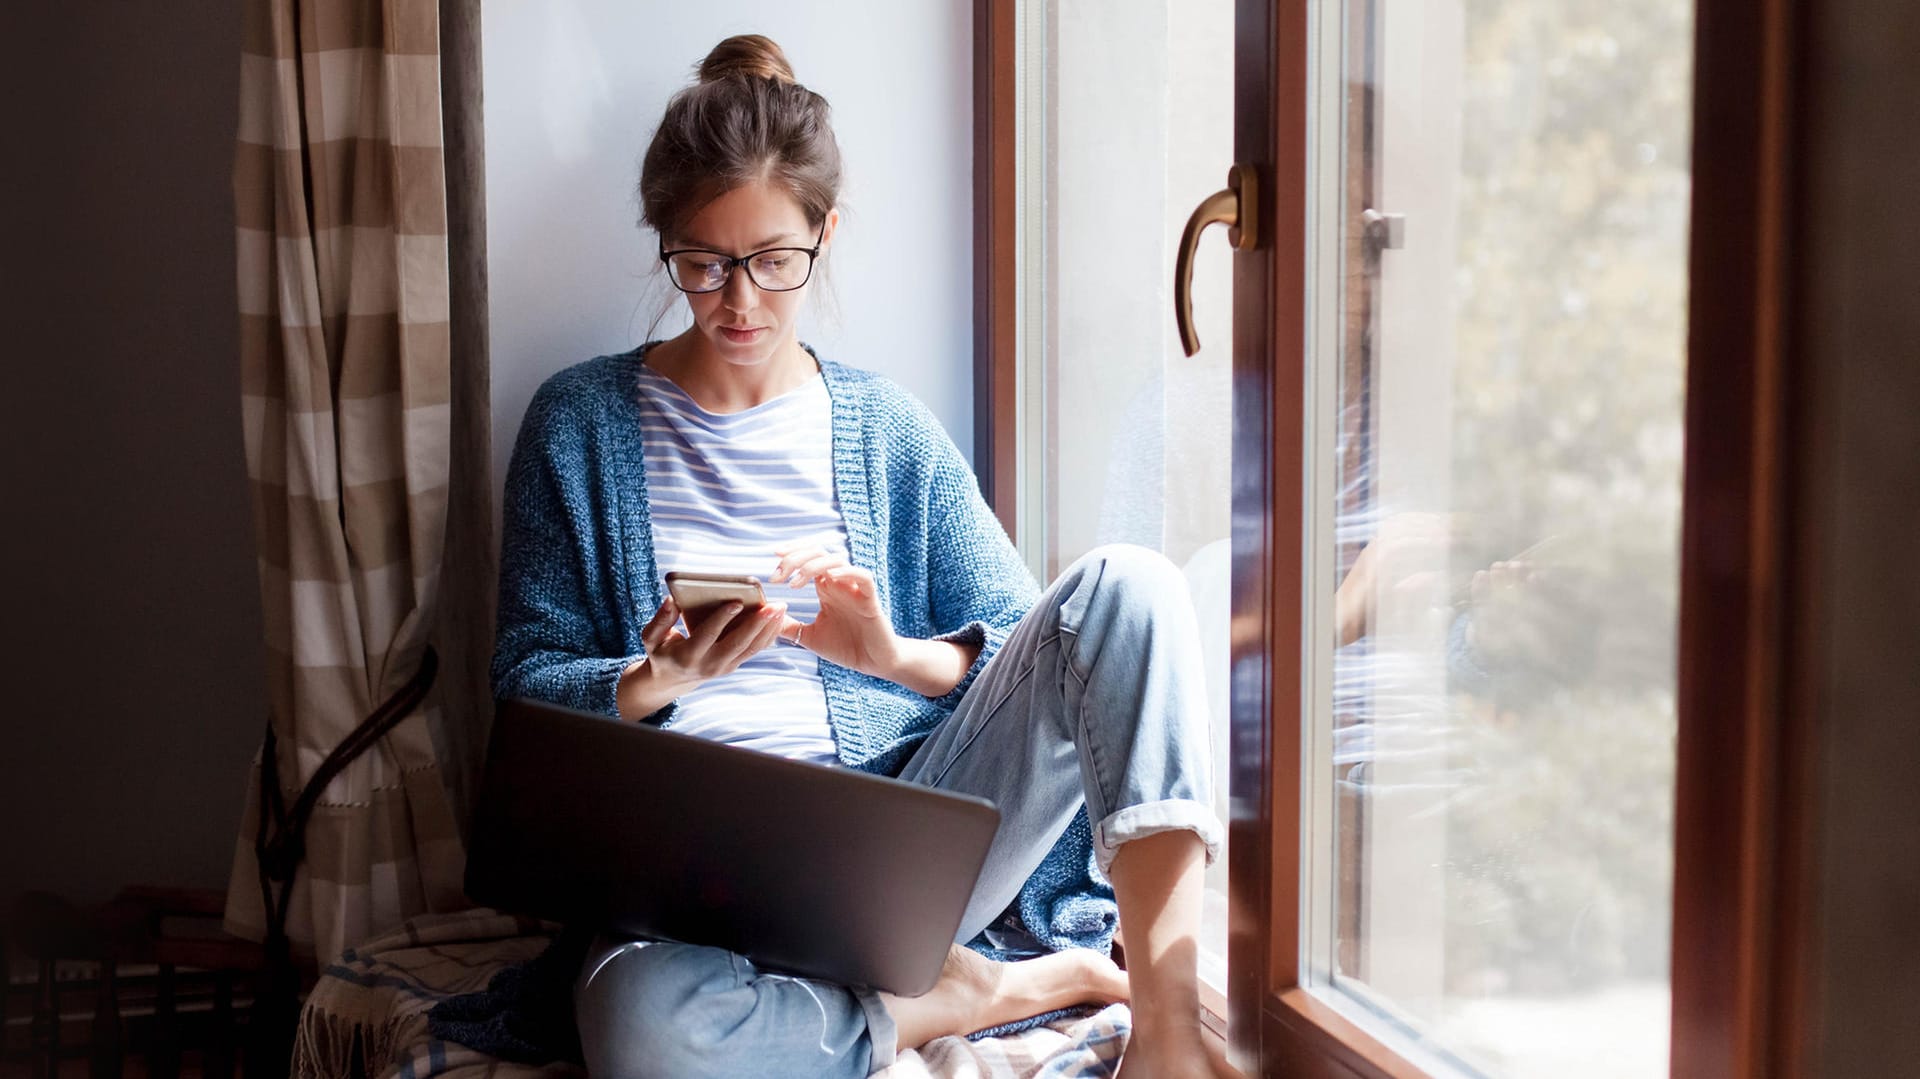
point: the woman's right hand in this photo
(677, 661)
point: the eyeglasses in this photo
(776, 269)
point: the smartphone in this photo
(700, 594)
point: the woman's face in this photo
(741, 323)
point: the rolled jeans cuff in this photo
(882, 1034)
(1151, 818)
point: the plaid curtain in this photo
(340, 200)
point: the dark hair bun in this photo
(745, 121)
(746, 56)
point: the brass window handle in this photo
(1234, 207)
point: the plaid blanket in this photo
(368, 1014)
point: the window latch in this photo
(1384, 232)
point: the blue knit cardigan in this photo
(578, 581)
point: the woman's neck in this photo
(721, 387)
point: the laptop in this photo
(803, 868)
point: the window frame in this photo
(1743, 922)
(995, 258)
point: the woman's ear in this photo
(833, 226)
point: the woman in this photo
(902, 636)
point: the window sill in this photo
(1307, 1037)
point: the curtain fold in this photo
(340, 202)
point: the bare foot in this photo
(975, 992)
(1005, 992)
(1152, 1054)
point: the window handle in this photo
(1234, 207)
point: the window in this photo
(1742, 911)
(1366, 333)
(1496, 384)
(1126, 121)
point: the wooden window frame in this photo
(1742, 924)
(995, 253)
(1742, 920)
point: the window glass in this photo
(1127, 114)
(1497, 370)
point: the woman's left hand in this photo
(852, 629)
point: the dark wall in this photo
(134, 695)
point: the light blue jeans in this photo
(1097, 695)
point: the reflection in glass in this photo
(1504, 444)
(1128, 437)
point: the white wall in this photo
(573, 91)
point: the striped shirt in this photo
(724, 491)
